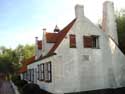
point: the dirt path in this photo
(6, 88)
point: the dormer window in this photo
(72, 41)
(91, 41)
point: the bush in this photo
(21, 83)
(33, 89)
(15, 78)
(18, 82)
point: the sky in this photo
(22, 20)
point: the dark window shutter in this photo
(72, 41)
(87, 41)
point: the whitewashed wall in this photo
(71, 72)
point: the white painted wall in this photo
(118, 64)
(80, 74)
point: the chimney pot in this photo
(44, 29)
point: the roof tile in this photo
(23, 69)
(51, 37)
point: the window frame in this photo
(87, 41)
(32, 75)
(72, 40)
(45, 72)
(42, 72)
(38, 72)
(49, 71)
(91, 41)
(95, 41)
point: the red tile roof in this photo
(39, 43)
(30, 60)
(61, 36)
(23, 69)
(25, 63)
(51, 37)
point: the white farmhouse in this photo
(81, 57)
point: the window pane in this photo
(95, 41)
(42, 71)
(49, 66)
(87, 41)
(46, 72)
(38, 72)
(49, 71)
(72, 41)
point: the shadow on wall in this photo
(103, 91)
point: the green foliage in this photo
(121, 31)
(5, 61)
(25, 51)
(9, 58)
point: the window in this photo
(44, 72)
(91, 41)
(32, 75)
(87, 41)
(29, 74)
(38, 72)
(41, 72)
(95, 41)
(72, 41)
(49, 73)
(25, 76)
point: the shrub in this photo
(31, 89)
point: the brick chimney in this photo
(109, 23)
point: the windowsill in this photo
(92, 48)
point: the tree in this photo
(9, 58)
(120, 19)
(6, 66)
(25, 51)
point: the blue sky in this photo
(22, 20)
